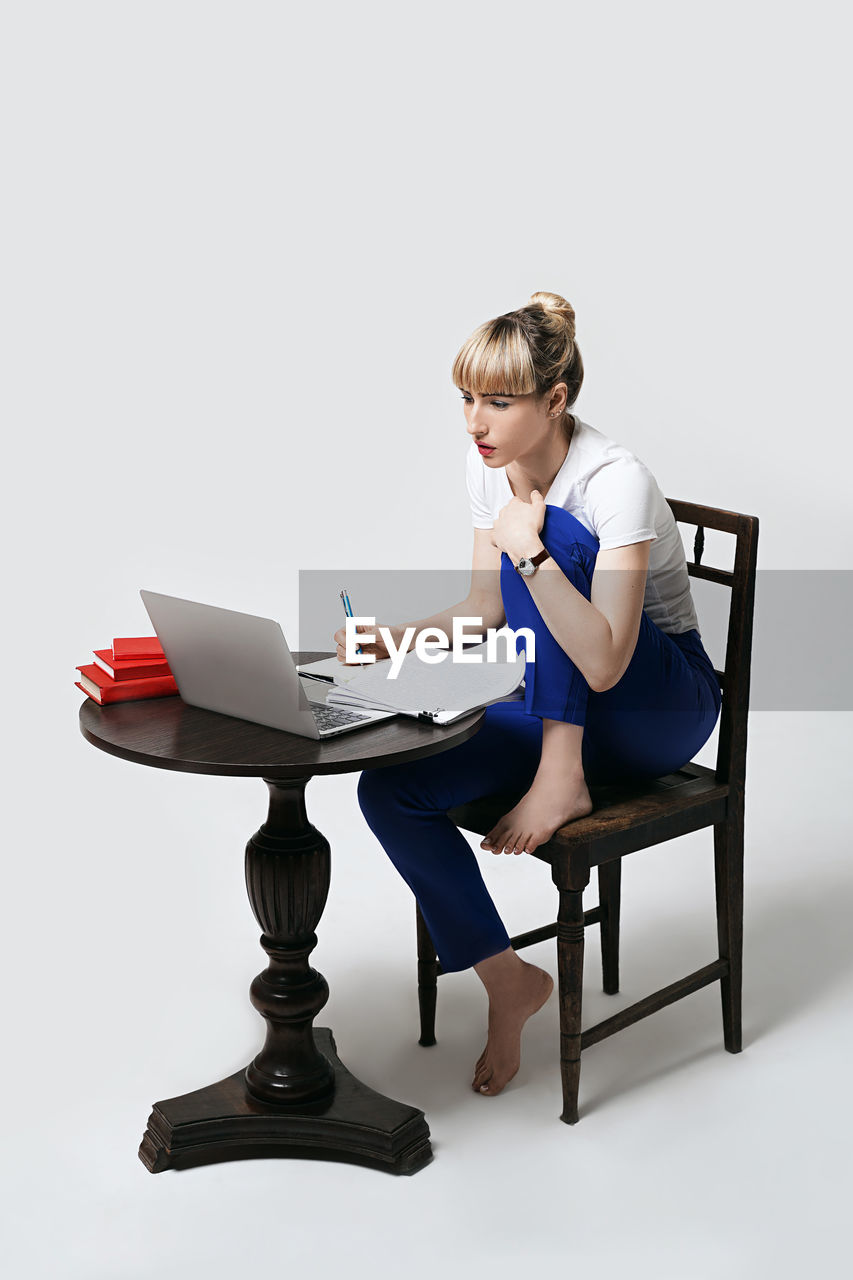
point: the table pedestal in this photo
(296, 1098)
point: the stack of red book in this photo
(135, 667)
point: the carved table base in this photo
(296, 1098)
(224, 1122)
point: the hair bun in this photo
(556, 306)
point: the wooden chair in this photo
(626, 819)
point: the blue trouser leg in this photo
(655, 719)
(406, 808)
(554, 689)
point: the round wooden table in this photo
(295, 1098)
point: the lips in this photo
(485, 450)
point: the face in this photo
(509, 428)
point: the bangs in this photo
(495, 361)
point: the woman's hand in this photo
(378, 648)
(518, 525)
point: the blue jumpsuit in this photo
(651, 722)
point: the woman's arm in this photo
(599, 634)
(483, 601)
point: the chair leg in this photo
(570, 975)
(609, 898)
(427, 980)
(728, 877)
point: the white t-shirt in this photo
(615, 496)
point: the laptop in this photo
(240, 665)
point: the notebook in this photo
(240, 665)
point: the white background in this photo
(242, 244)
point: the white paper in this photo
(448, 687)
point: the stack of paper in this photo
(440, 692)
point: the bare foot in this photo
(512, 1001)
(551, 803)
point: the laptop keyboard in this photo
(333, 717)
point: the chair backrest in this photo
(734, 679)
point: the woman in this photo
(574, 539)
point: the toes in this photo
(491, 1089)
(500, 838)
(504, 840)
(482, 1071)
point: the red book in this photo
(137, 648)
(119, 669)
(104, 690)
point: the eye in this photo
(498, 404)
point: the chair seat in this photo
(625, 817)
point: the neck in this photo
(537, 470)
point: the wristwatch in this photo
(528, 565)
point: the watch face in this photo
(525, 567)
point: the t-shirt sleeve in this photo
(621, 499)
(481, 516)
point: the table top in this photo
(167, 733)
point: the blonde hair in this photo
(523, 351)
